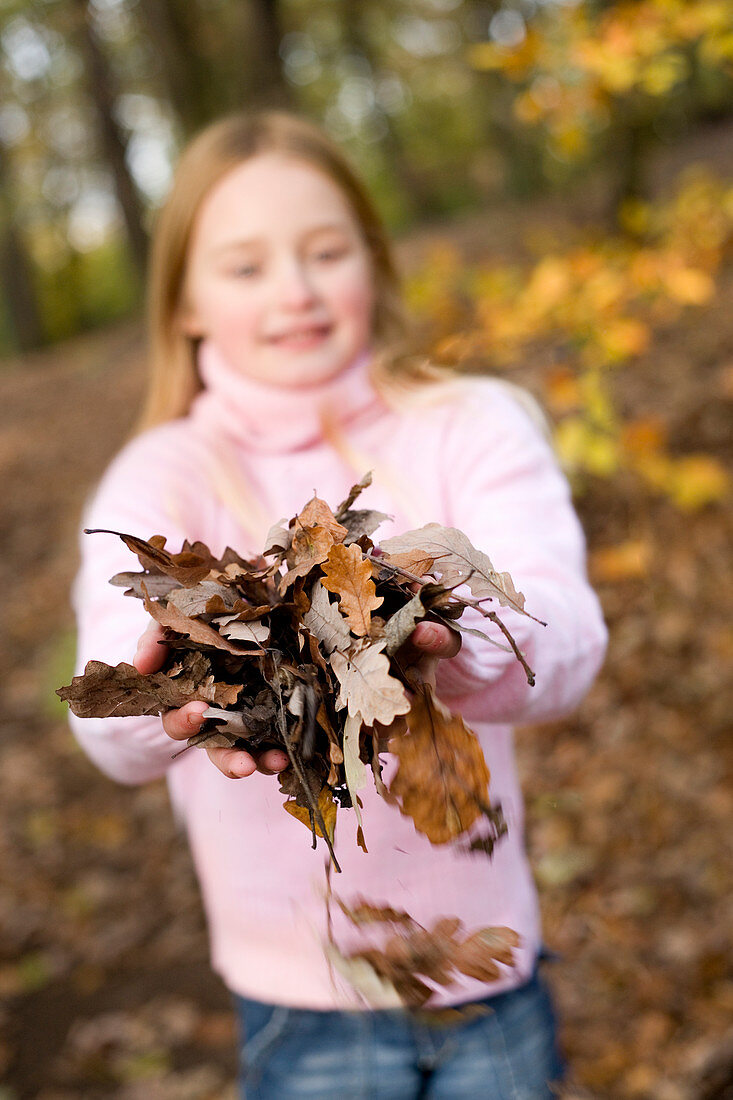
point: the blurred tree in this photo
(172, 28)
(266, 85)
(520, 152)
(419, 197)
(600, 83)
(16, 271)
(213, 61)
(102, 90)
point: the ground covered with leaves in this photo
(104, 979)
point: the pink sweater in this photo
(247, 455)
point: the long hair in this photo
(173, 379)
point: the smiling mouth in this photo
(302, 335)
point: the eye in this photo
(245, 271)
(328, 254)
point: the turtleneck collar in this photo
(280, 418)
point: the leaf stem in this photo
(469, 603)
(312, 803)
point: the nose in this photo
(295, 289)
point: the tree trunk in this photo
(267, 86)
(101, 87)
(186, 76)
(16, 274)
(418, 197)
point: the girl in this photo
(275, 327)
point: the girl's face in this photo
(278, 274)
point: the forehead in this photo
(270, 196)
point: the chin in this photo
(306, 372)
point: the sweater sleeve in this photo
(507, 492)
(137, 495)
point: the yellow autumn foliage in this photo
(597, 305)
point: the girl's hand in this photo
(429, 643)
(181, 723)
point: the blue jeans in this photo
(508, 1052)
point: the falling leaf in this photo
(362, 912)
(326, 805)
(477, 955)
(442, 779)
(356, 774)
(412, 953)
(349, 576)
(368, 689)
(362, 976)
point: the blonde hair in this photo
(173, 379)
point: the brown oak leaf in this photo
(120, 690)
(310, 547)
(367, 687)
(442, 779)
(318, 514)
(326, 621)
(349, 575)
(458, 561)
(187, 567)
(328, 809)
(196, 630)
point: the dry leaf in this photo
(356, 774)
(187, 568)
(278, 539)
(400, 626)
(325, 621)
(477, 956)
(326, 805)
(232, 627)
(366, 686)
(414, 560)
(457, 561)
(121, 691)
(354, 492)
(349, 576)
(442, 779)
(195, 629)
(310, 547)
(317, 514)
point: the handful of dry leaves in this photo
(303, 652)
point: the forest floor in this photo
(104, 980)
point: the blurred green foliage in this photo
(443, 105)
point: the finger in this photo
(233, 763)
(184, 721)
(435, 639)
(272, 761)
(150, 654)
